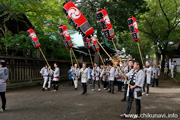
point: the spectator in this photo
(172, 70)
(166, 70)
(70, 72)
(90, 79)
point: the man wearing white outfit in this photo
(134, 91)
(95, 76)
(111, 78)
(47, 74)
(147, 82)
(3, 78)
(85, 75)
(55, 78)
(75, 76)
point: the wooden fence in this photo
(24, 70)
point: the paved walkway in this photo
(67, 104)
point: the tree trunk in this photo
(163, 63)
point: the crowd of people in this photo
(131, 78)
(170, 68)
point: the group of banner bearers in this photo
(132, 75)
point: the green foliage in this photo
(46, 16)
(161, 25)
(119, 11)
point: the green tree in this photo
(161, 25)
(119, 11)
(45, 15)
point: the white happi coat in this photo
(85, 75)
(118, 76)
(42, 70)
(126, 70)
(76, 73)
(148, 75)
(139, 81)
(56, 74)
(3, 78)
(103, 74)
(95, 74)
(111, 74)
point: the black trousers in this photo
(125, 91)
(146, 85)
(94, 82)
(55, 85)
(129, 105)
(120, 84)
(111, 86)
(3, 99)
(84, 85)
(105, 83)
(71, 82)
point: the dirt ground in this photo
(67, 104)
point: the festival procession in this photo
(89, 59)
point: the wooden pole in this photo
(75, 57)
(44, 56)
(45, 59)
(90, 57)
(115, 47)
(101, 58)
(140, 53)
(71, 57)
(111, 59)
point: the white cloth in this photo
(56, 74)
(111, 74)
(76, 73)
(139, 81)
(3, 78)
(45, 81)
(85, 75)
(118, 76)
(126, 70)
(95, 74)
(148, 75)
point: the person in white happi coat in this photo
(136, 81)
(95, 76)
(42, 71)
(147, 82)
(155, 74)
(75, 76)
(3, 78)
(47, 74)
(126, 70)
(119, 78)
(85, 75)
(111, 78)
(101, 69)
(55, 81)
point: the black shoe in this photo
(123, 100)
(75, 88)
(82, 93)
(43, 89)
(112, 92)
(48, 89)
(109, 91)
